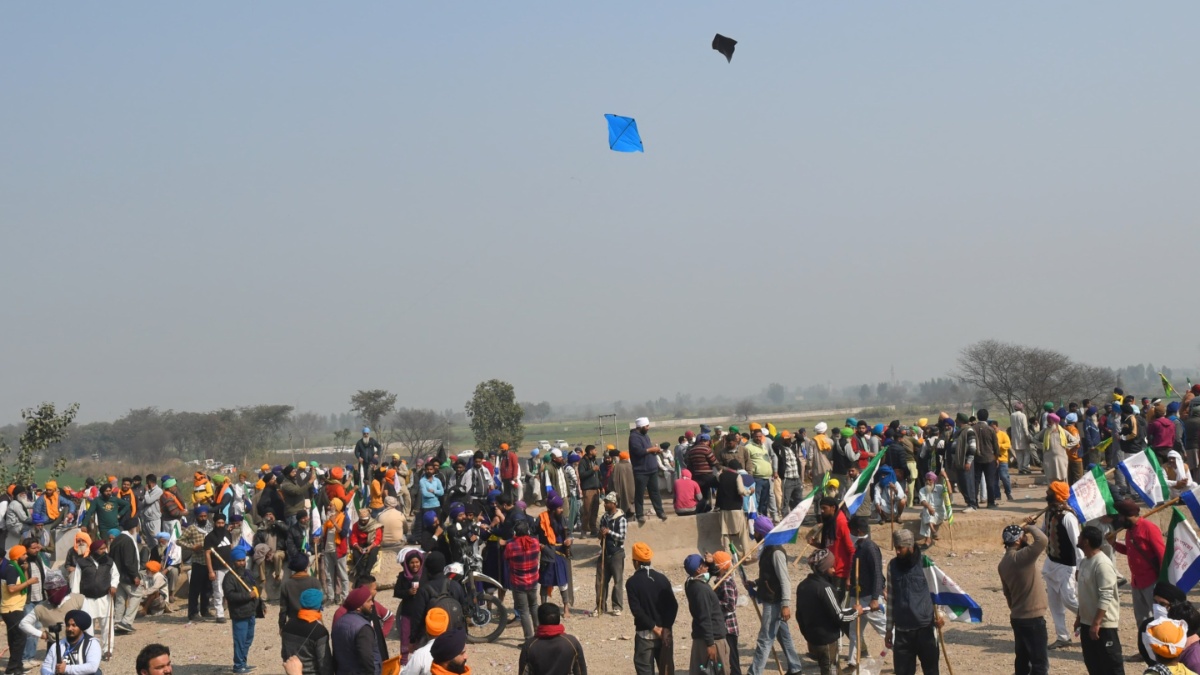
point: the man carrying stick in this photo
(866, 581)
(773, 591)
(1062, 558)
(911, 615)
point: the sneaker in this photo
(616, 612)
(1060, 644)
(969, 509)
(126, 627)
(220, 619)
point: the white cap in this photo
(641, 422)
(821, 428)
(556, 453)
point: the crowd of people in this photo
(304, 536)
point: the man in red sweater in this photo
(1144, 549)
(834, 536)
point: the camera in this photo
(56, 628)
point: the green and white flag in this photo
(1146, 477)
(1090, 497)
(1181, 562)
(858, 490)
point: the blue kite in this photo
(623, 134)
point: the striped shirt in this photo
(617, 529)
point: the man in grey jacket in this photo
(150, 511)
(1018, 433)
(773, 591)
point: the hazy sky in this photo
(217, 204)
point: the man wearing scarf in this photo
(293, 587)
(53, 507)
(335, 545)
(193, 540)
(97, 580)
(366, 536)
(202, 490)
(166, 554)
(53, 608)
(556, 542)
(80, 652)
(108, 512)
(238, 587)
(126, 494)
(14, 589)
(306, 638)
(449, 655)
(551, 650)
(218, 544)
(172, 506)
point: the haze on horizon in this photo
(217, 205)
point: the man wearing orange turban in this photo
(1062, 559)
(653, 605)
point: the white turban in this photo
(821, 428)
(641, 422)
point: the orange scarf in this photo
(547, 528)
(221, 493)
(435, 669)
(52, 505)
(128, 496)
(309, 615)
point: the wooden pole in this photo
(1165, 505)
(600, 609)
(857, 621)
(738, 563)
(758, 611)
(945, 654)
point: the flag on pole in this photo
(246, 538)
(1168, 390)
(1090, 497)
(946, 593)
(174, 555)
(788, 529)
(1146, 477)
(948, 502)
(1103, 447)
(858, 490)
(1181, 562)
(1191, 499)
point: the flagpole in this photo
(1163, 506)
(739, 561)
(945, 654)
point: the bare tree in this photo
(994, 367)
(745, 408)
(421, 431)
(1033, 375)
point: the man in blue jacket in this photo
(643, 454)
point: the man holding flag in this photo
(911, 615)
(1143, 548)
(773, 590)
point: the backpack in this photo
(446, 602)
(95, 581)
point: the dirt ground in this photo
(608, 640)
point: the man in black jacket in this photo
(773, 591)
(367, 449)
(124, 552)
(654, 608)
(434, 586)
(911, 616)
(551, 651)
(710, 651)
(819, 614)
(866, 585)
(242, 595)
(589, 483)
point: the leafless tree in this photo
(420, 431)
(745, 408)
(1032, 375)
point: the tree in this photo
(304, 426)
(745, 408)
(1032, 375)
(776, 393)
(536, 411)
(342, 438)
(44, 427)
(372, 406)
(421, 431)
(495, 416)
(864, 393)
